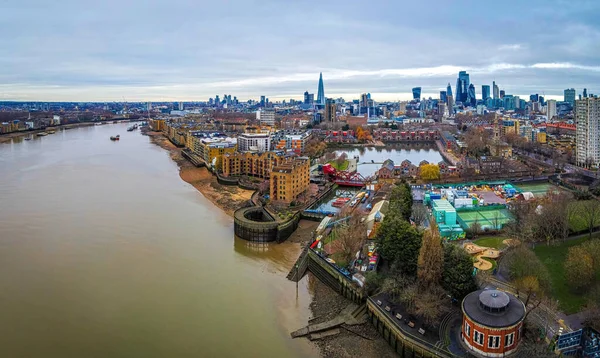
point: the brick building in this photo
(289, 178)
(492, 323)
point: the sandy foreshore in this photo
(8, 136)
(226, 197)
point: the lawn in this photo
(343, 166)
(553, 257)
(578, 221)
(492, 261)
(491, 241)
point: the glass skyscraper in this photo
(496, 90)
(471, 99)
(443, 96)
(485, 92)
(570, 96)
(462, 86)
(321, 91)
(416, 93)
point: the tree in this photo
(399, 242)
(341, 161)
(419, 214)
(264, 187)
(401, 200)
(579, 268)
(430, 172)
(431, 305)
(350, 237)
(457, 274)
(530, 285)
(591, 214)
(431, 259)
(519, 262)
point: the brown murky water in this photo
(106, 252)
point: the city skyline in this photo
(71, 51)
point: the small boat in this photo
(42, 134)
(27, 138)
(116, 137)
(340, 202)
(51, 132)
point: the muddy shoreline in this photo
(225, 197)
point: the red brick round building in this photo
(492, 322)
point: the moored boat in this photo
(42, 134)
(116, 137)
(339, 202)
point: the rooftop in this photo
(493, 308)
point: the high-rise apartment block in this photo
(254, 142)
(266, 116)
(550, 109)
(587, 120)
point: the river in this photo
(397, 153)
(106, 252)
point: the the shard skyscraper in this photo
(321, 91)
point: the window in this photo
(478, 337)
(509, 339)
(467, 329)
(493, 342)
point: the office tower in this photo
(364, 100)
(570, 96)
(485, 92)
(450, 104)
(266, 116)
(217, 100)
(462, 86)
(235, 100)
(502, 93)
(306, 97)
(330, 108)
(449, 90)
(443, 96)
(181, 106)
(587, 120)
(585, 93)
(321, 91)
(471, 99)
(496, 90)
(416, 93)
(262, 101)
(541, 99)
(534, 97)
(550, 109)
(210, 101)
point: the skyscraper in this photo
(443, 96)
(570, 96)
(471, 99)
(587, 120)
(485, 92)
(449, 90)
(416, 93)
(462, 86)
(502, 93)
(585, 93)
(321, 91)
(551, 109)
(306, 97)
(496, 90)
(262, 101)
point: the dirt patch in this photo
(304, 232)
(326, 304)
(227, 198)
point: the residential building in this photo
(254, 142)
(330, 111)
(266, 116)
(321, 91)
(587, 120)
(550, 109)
(257, 165)
(294, 140)
(289, 179)
(210, 146)
(157, 125)
(569, 96)
(485, 92)
(416, 92)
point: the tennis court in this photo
(487, 219)
(537, 189)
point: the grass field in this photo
(343, 166)
(492, 261)
(491, 241)
(578, 221)
(553, 257)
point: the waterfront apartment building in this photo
(294, 140)
(587, 121)
(257, 165)
(157, 125)
(266, 116)
(210, 146)
(289, 179)
(254, 142)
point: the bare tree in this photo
(431, 259)
(591, 213)
(349, 237)
(419, 214)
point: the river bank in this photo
(8, 136)
(226, 198)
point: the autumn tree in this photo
(363, 135)
(399, 242)
(457, 274)
(430, 172)
(529, 285)
(579, 268)
(431, 259)
(590, 211)
(519, 262)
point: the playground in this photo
(485, 257)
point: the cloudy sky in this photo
(192, 50)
